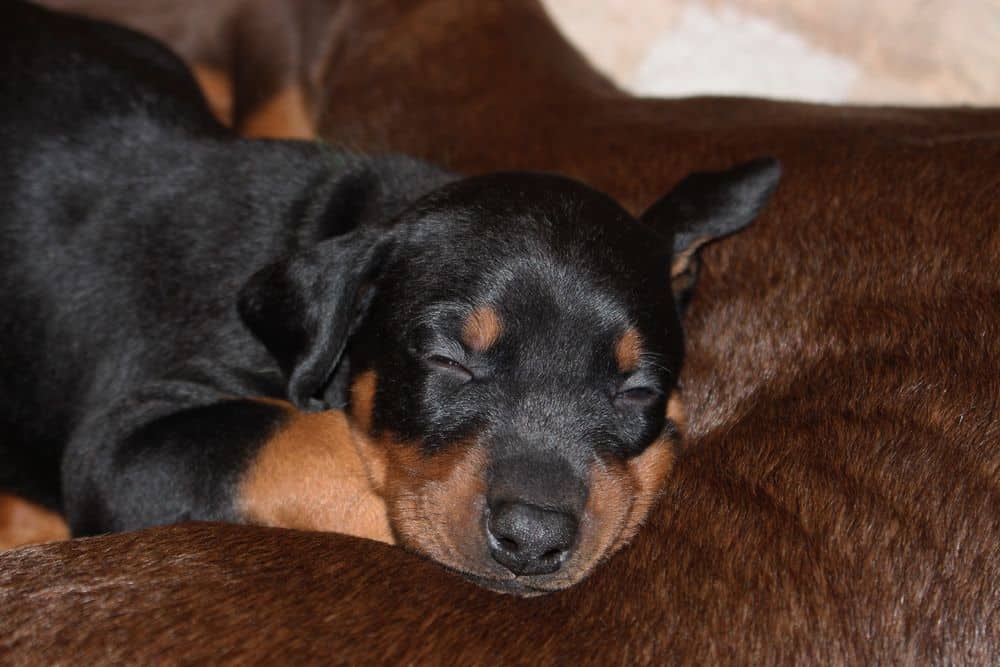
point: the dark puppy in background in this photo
(202, 327)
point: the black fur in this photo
(155, 268)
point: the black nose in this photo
(527, 539)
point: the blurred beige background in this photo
(859, 51)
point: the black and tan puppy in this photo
(200, 327)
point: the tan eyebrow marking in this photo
(628, 351)
(482, 328)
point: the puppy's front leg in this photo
(244, 460)
(309, 475)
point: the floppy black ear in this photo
(303, 308)
(709, 205)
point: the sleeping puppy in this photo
(202, 327)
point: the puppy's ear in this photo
(303, 308)
(706, 206)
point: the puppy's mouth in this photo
(485, 573)
(488, 574)
(497, 579)
(515, 586)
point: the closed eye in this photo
(448, 365)
(638, 396)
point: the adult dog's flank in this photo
(197, 326)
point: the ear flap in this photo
(303, 308)
(709, 205)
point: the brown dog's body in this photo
(268, 92)
(838, 498)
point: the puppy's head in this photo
(507, 348)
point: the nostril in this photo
(527, 539)
(508, 544)
(552, 554)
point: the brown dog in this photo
(837, 502)
(260, 63)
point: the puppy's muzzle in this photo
(532, 513)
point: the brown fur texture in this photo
(838, 499)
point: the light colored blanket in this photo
(926, 52)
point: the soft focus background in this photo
(925, 52)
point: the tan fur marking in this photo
(437, 502)
(373, 458)
(217, 88)
(434, 500)
(628, 351)
(682, 261)
(283, 116)
(363, 399)
(620, 497)
(23, 522)
(608, 504)
(676, 412)
(309, 476)
(482, 328)
(648, 471)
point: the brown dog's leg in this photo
(217, 87)
(271, 65)
(23, 522)
(283, 115)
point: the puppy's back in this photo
(100, 131)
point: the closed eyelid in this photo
(447, 347)
(642, 379)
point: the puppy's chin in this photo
(507, 586)
(507, 583)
